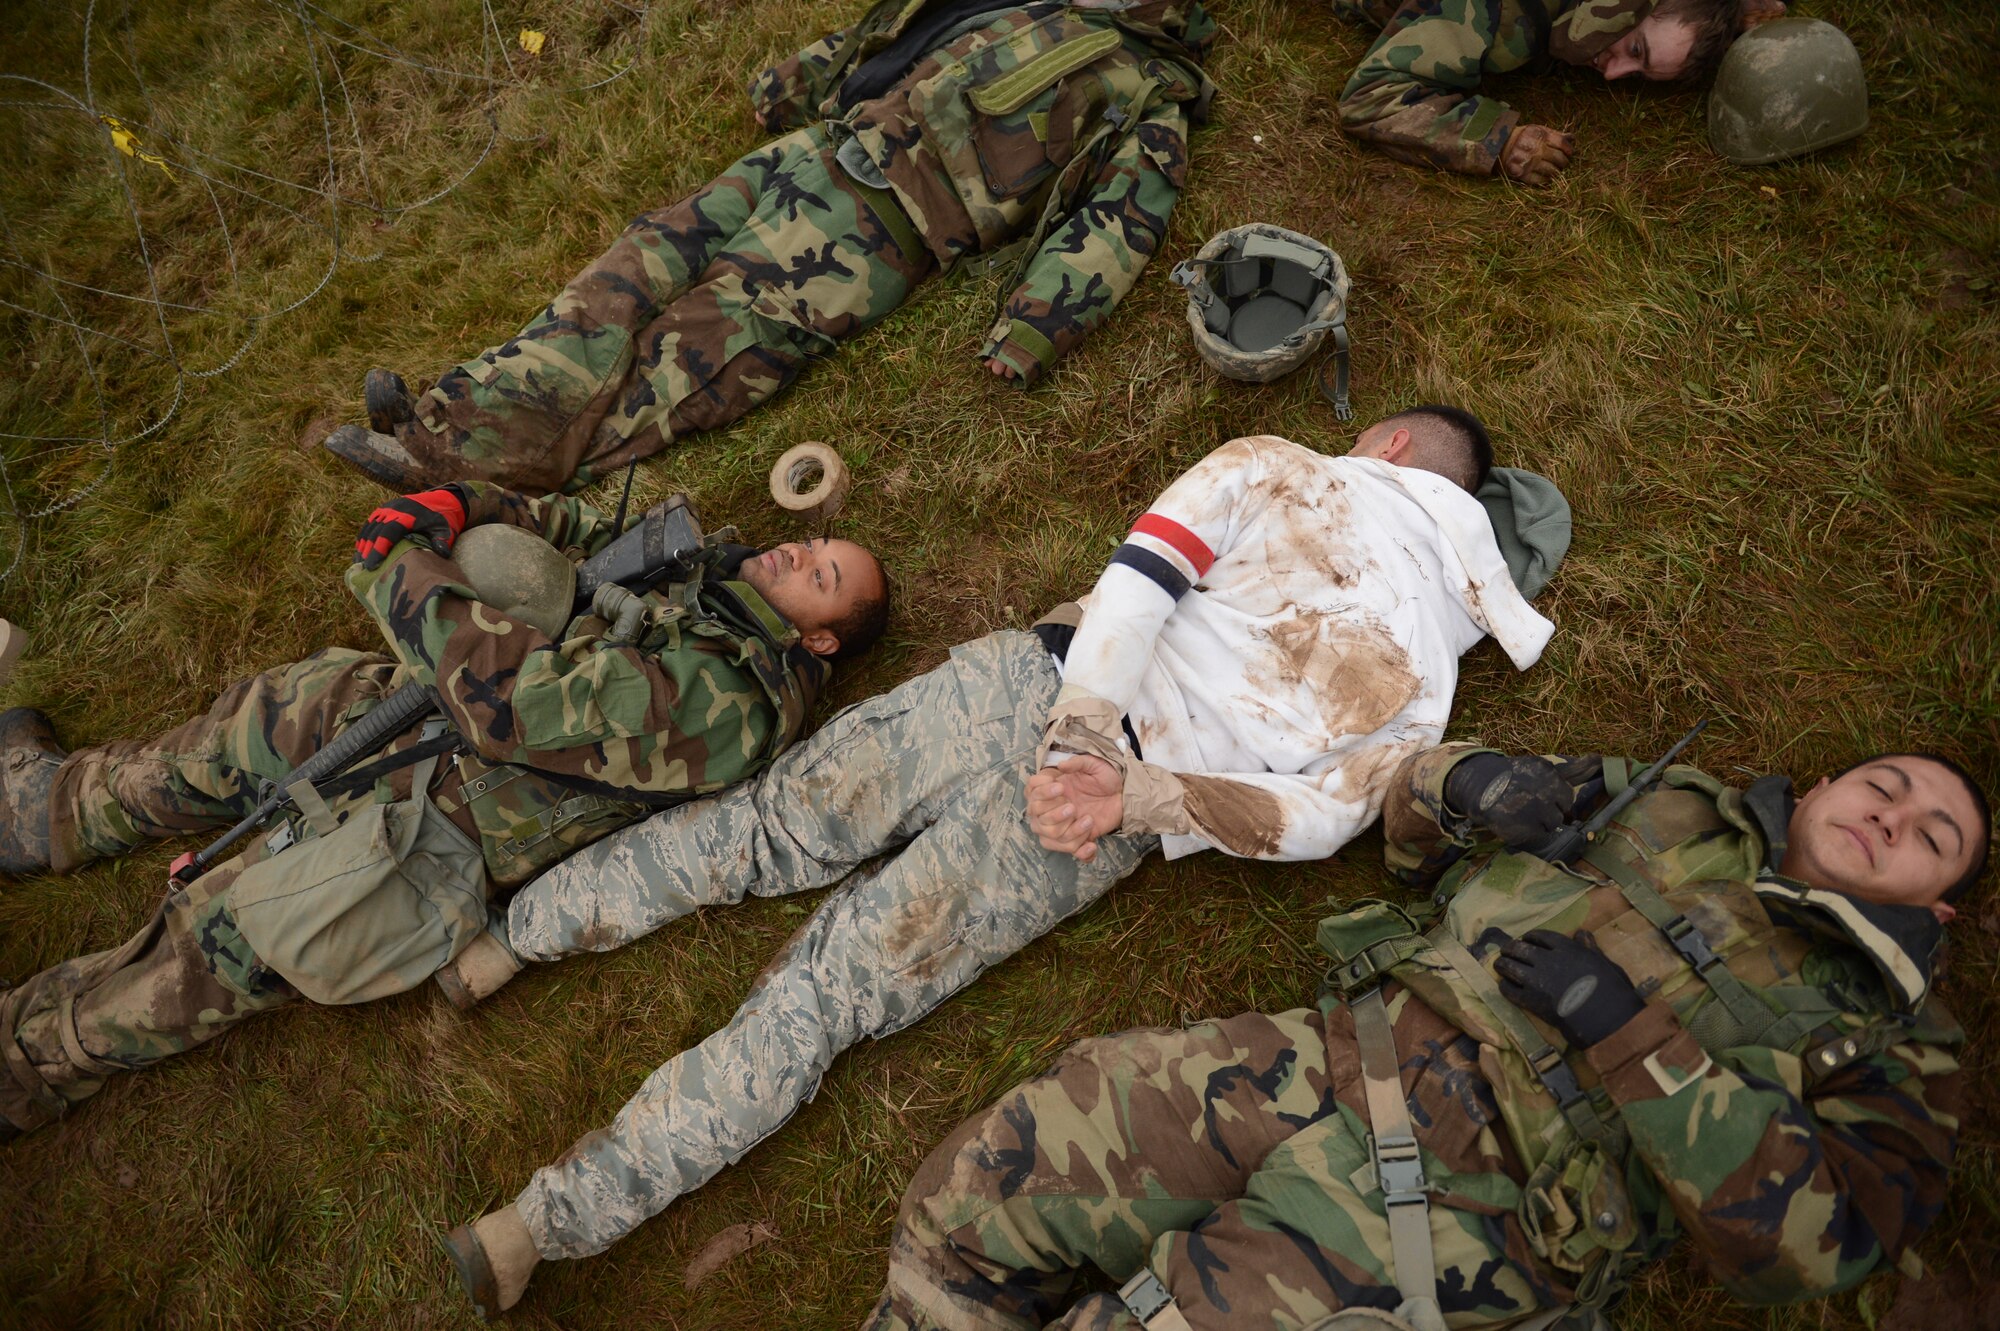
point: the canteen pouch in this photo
(369, 908)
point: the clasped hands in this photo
(1074, 802)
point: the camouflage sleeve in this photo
(1416, 96)
(1789, 1191)
(1422, 837)
(1094, 256)
(787, 95)
(568, 524)
(682, 720)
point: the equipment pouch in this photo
(371, 908)
(1365, 942)
(1578, 1215)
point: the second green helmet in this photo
(1786, 88)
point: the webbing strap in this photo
(1342, 408)
(1399, 1166)
(1543, 1057)
(1751, 1014)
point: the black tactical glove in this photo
(1568, 983)
(435, 517)
(1520, 800)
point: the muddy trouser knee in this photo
(972, 887)
(179, 982)
(697, 313)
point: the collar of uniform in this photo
(804, 668)
(776, 627)
(1902, 941)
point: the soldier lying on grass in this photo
(559, 743)
(1276, 633)
(1716, 1024)
(920, 135)
(1416, 93)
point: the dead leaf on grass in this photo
(316, 431)
(726, 1247)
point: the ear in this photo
(1750, 13)
(1945, 911)
(1397, 448)
(820, 642)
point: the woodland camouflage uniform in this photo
(564, 743)
(1232, 1158)
(1416, 93)
(1063, 122)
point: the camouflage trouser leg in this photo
(1230, 1159)
(188, 975)
(936, 767)
(1125, 1140)
(203, 774)
(698, 313)
(180, 981)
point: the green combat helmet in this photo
(1786, 88)
(1261, 299)
(519, 574)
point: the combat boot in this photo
(381, 456)
(29, 760)
(494, 1258)
(388, 401)
(485, 965)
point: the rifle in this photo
(389, 718)
(1569, 841)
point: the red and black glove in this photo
(435, 517)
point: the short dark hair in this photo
(865, 621)
(1450, 441)
(1715, 23)
(1982, 810)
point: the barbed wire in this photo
(130, 129)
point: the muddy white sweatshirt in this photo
(1283, 628)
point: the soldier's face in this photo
(1656, 48)
(1897, 830)
(814, 585)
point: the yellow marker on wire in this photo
(532, 41)
(125, 141)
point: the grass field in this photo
(1772, 396)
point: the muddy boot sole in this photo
(381, 456)
(475, 1272)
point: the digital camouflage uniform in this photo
(565, 742)
(1232, 1159)
(704, 309)
(931, 774)
(1416, 93)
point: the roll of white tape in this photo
(795, 472)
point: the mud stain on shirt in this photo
(1359, 677)
(1233, 816)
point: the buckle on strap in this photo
(1399, 1169)
(1556, 1076)
(1148, 1300)
(1690, 942)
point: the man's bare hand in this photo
(1535, 153)
(1074, 803)
(1001, 368)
